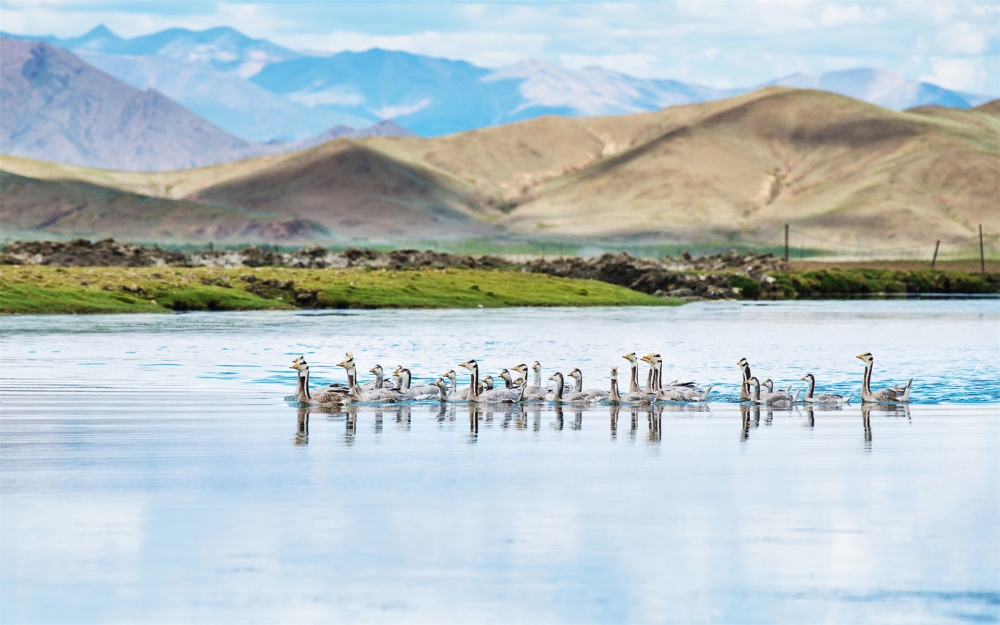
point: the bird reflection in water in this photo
(654, 418)
(578, 420)
(881, 410)
(302, 427)
(751, 417)
(557, 409)
(613, 410)
(533, 413)
(635, 423)
(474, 416)
(403, 418)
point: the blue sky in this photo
(721, 44)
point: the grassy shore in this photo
(835, 282)
(30, 289)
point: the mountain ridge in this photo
(841, 171)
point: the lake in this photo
(151, 469)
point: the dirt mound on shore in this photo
(83, 253)
(705, 277)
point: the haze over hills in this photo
(841, 171)
(882, 87)
(54, 106)
(259, 91)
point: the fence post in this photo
(786, 243)
(982, 254)
(936, 246)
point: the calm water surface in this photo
(151, 470)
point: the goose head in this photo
(558, 377)
(506, 375)
(488, 382)
(630, 357)
(451, 375)
(299, 364)
(742, 362)
(808, 378)
(768, 384)
(576, 374)
(521, 368)
(614, 373)
(377, 370)
(471, 365)
(866, 358)
(536, 367)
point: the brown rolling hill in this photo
(80, 209)
(839, 170)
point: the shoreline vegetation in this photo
(110, 277)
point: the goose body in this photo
(757, 397)
(559, 396)
(379, 395)
(785, 394)
(594, 393)
(822, 398)
(323, 396)
(897, 394)
(533, 391)
(615, 398)
(744, 387)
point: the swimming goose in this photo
(442, 388)
(559, 396)
(744, 388)
(534, 392)
(507, 395)
(472, 394)
(679, 393)
(381, 395)
(633, 384)
(455, 394)
(413, 392)
(635, 398)
(898, 394)
(595, 393)
(769, 385)
(766, 398)
(822, 398)
(306, 395)
(656, 366)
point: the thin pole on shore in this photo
(982, 254)
(936, 246)
(786, 240)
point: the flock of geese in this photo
(487, 390)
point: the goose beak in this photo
(372, 370)
(860, 356)
(803, 378)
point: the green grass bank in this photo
(834, 283)
(32, 289)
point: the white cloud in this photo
(638, 65)
(329, 96)
(392, 112)
(962, 38)
(486, 49)
(958, 74)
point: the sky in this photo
(717, 43)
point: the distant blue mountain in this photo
(260, 91)
(429, 96)
(884, 88)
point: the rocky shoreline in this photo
(728, 275)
